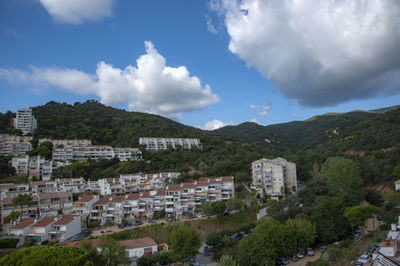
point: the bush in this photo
(8, 243)
(93, 224)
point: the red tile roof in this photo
(397, 182)
(93, 243)
(86, 198)
(146, 195)
(117, 198)
(133, 196)
(188, 185)
(102, 201)
(174, 187)
(160, 193)
(138, 243)
(388, 243)
(66, 219)
(227, 178)
(23, 224)
(55, 195)
(45, 221)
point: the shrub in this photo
(8, 243)
(93, 224)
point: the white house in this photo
(389, 248)
(21, 228)
(135, 248)
(66, 227)
(40, 230)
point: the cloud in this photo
(11, 32)
(320, 53)
(150, 87)
(254, 120)
(263, 108)
(77, 11)
(215, 124)
(210, 26)
(295, 115)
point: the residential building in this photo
(25, 121)
(73, 185)
(55, 203)
(274, 178)
(84, 204)
(155, 144)
(66, 227)
(40, 230)
(14, 145)
(11, 190)
(136, 248)
(67, 142)
(21, 229)
(35, 166)
(29, 210)
(397, 185)
(99, 211)
(96, 152)
(38, 187)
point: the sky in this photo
(204, 63)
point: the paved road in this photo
(247, 195)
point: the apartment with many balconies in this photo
(275, 178)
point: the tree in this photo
(205, 207)
(184, 242)
(45, 255)
(396, 171)
(94, 256)
(112, 252)
(358, 214)
(236, 203)
(22, 200)
(343, 176)
(226, 260)
(328, 217)
(218, 208)
(13, 216)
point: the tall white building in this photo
(274, 178)
(25, 121)
(15, 145)
(155, 144)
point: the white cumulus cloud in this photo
(151, 86)
(77, 11)
(215, 124)
(210, 25)
(319, 52)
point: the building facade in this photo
(275, 178)
(155, 144)
(25, 121)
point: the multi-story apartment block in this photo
(84, 204)
(73, 185)
(29, 210)
(155, 144)
(84, 153)
(67, 142)
(35, 166)
(25, 121)
(66, 227)
(38, 187)
(55, 203)
(274, 178)
(14, 145)
(11, 190)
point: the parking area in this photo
(306, 259)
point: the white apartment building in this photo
(67, 142)
(35, 166)
(155, 144)
(38, 187)
(84, 153)
(66, 227)
(73, 185)
(54, 203)
(136, 248)
(25, 121)
(11, 190)
(274, 178)
(14, 145)
(84, 204)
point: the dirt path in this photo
(306, 259)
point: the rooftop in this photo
(138, 243)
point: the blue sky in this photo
(249, 68)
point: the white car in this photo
(364, 258)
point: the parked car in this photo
(238, 236)
(285, 261)
(380, 218)
(300, 255)
(151, 220)
(138, 222)
(193, 262)
(295, 257)
(171, 219)
(322, 248)
(310, 252)
(206, 251)
(364, 258)
(200, 215)
(357, 264)
(378, 245)
(382, 222)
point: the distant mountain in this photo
(297, 134)
(103, 124)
